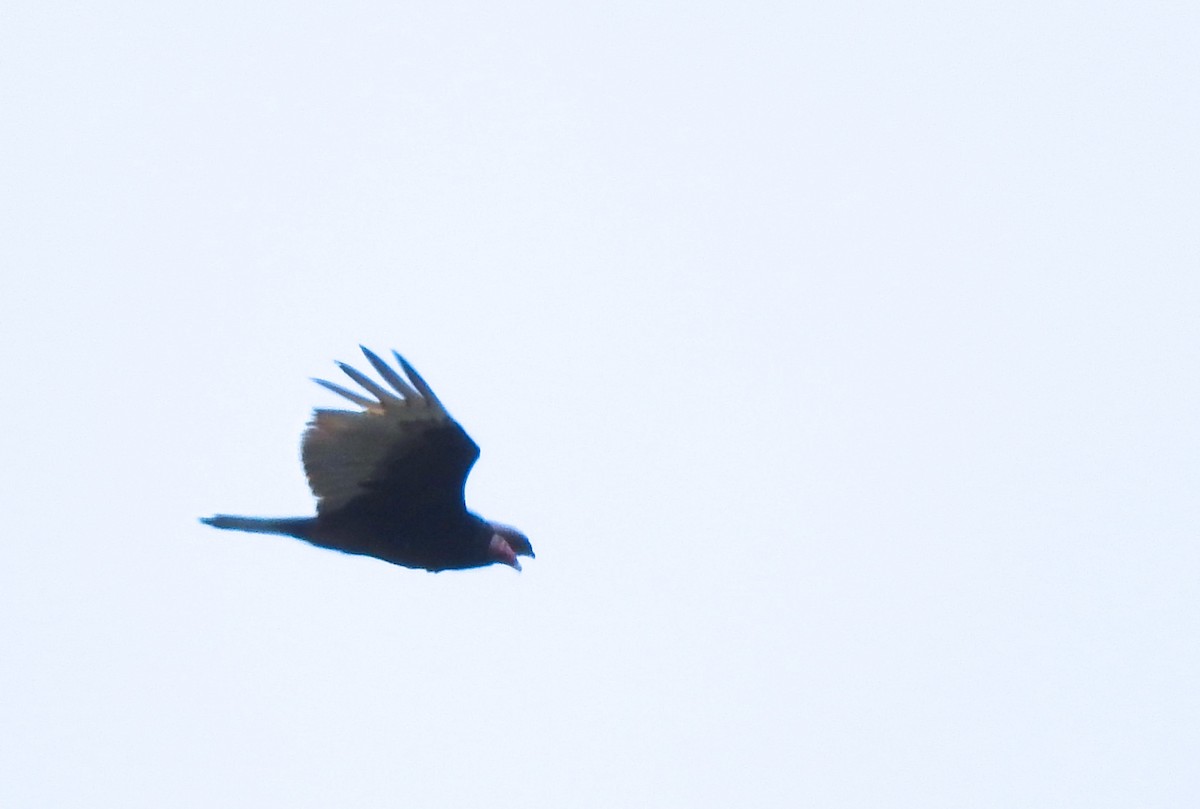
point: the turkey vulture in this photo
(389, 481)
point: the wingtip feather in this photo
(358, 399)
(419, 382)
(389, 376)
(368, 384)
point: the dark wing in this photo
(402, 450)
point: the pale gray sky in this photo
(840, 361)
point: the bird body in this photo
(389, 481)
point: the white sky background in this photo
(840, 361)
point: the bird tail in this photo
(289, 526)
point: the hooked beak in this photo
(502, 552)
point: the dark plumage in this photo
(389, 481)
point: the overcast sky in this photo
(840, 361)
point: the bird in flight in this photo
(389, 481)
